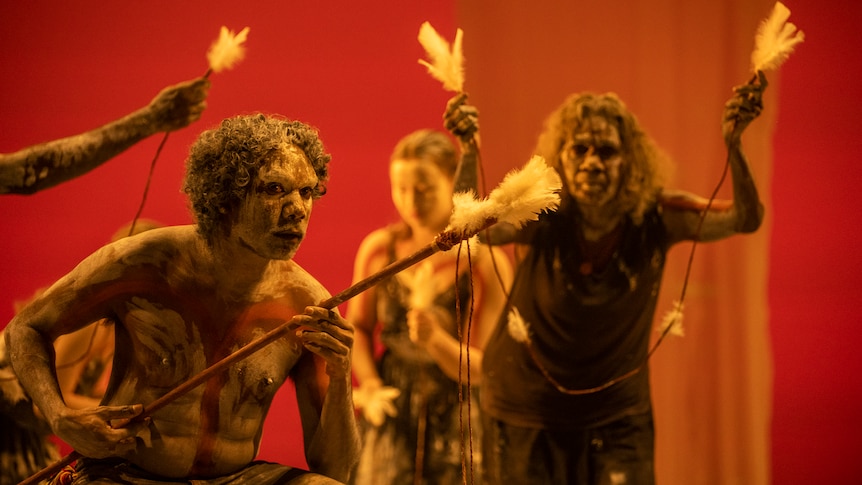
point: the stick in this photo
(443, 242)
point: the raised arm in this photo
(462, 120)
(45, 165)
(744, 214)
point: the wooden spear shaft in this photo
(443, 242)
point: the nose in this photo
(293, 210)
(591, 162)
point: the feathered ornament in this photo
(227, 50)
(446, 65)
(444, 241)
(520, 197)
(672, 321)
(518, 329)
(775, 40)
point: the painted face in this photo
(591, 162)
(421, 192)
(273, 219)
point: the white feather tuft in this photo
(526, 193)
(517, 327)
(775, 40)
(227, 50)
(673, 319)
(447, 66)
(521, 196)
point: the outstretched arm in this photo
(682, 211)
(45, 165)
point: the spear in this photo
(521, 197)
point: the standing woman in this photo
(420, 333)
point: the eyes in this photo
(276, 189)
(604, 152)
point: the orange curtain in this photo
(674, 63)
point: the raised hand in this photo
(460, 118)
(745, 105)
(179, 105)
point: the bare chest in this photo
(166, 343)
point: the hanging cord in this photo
(147, 186)
(465, 432)
(152, 169)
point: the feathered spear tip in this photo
(447, 66)
(227, 50)
(518, 329)
(520, 197)
(775, 40)
(673, 319)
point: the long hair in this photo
(224, 163)
(641, 171)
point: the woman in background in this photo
(420, 333)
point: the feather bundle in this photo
(775, 40)
(447, 66)
(672, 321)
(517, 327)
(227, 50)
(521, 196)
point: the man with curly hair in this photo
(572, 404)
(184, 298)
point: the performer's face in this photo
(273, 218)
(421, 192)
(591, 161)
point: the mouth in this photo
(289, 235)
(591, 182)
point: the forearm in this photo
(334, 448)
(466, 176)
(747, 206)
(48, 164)
(32, 359)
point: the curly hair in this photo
(224, 162)
(429, 145)
(641, 172)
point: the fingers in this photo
(104, 431)
(325, 333)
(460, 118)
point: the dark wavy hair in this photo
(430, 145)
(224, 162)
(643, 165)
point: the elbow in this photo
(752, 221)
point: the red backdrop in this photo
(350, 69)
